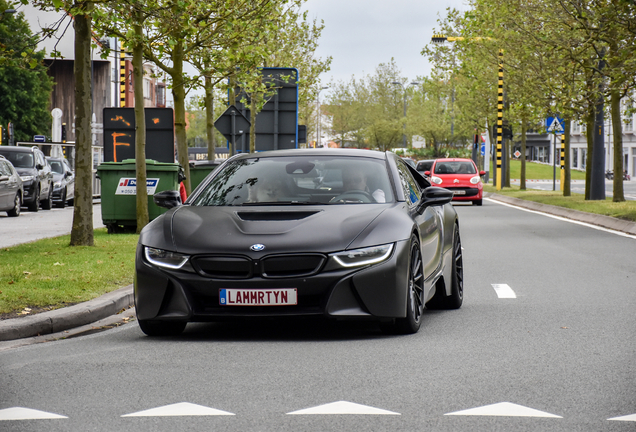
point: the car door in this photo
(429, 222)
(5, 179)
(70, 179)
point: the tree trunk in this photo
(617, 131)
(589, 124)
(253, 123)
(178, 94)
(82, 231)
(566, 162)
(140, 126)
(524, 130)
(209, 117)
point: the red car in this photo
(460, 176)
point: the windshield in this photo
(19, 159)
(455, 167)
(298, 180)
(56, 166)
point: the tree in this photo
(25, 87)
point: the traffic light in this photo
(63, 132)
(438, 38)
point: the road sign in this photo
(232, 123)
(554, 124)
(39, 138)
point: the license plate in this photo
(460, 192)
(258, 297)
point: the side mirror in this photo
(427, 173)
(434, 196)
(39, 166)
(68, 174)
(167, 199)
(481, 173)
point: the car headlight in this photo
(27, 178)
(364, 256)
(475, 180)
(57, 184)
(436, 180)
(164, 258)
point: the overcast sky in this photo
(361, 34)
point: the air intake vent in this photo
(275, 216)
(284, 266)
(223, 267)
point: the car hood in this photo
(26, 171)
(232, 230)
(57, 177)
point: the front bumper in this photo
(375, 291)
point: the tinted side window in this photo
(4, 169)
(409, 185)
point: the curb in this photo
(68, 317)
(608, 222)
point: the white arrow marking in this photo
(179, 409)
(343, 407)
(19, 413)
(504, 409)
(504, 291)
(631, 417)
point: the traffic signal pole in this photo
(500, 107)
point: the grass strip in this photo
(622, 210)
(48, 274)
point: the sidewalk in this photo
(112, 303)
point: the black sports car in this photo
(335, 233)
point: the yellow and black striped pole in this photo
(562, 162)
(500, 107)
(122, 76)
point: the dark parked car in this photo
(36, 175)
(424, 165)
(63, 181)
(11, 189)
(263, 236)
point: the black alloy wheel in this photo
(47, 204)
(162, 328)
(62, 204)
(17, 203)
(456, 297)
(35, 205)
(414, 296)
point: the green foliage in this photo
(24, 84)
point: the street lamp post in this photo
(404, 91)
(319, 120)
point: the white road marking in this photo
(504, 291)
(179, 409)
(504, 409)
(343, 407)
(596, 227)
(19, 413)
(631, 417)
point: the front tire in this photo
(35, 205)
(477, 202)
(48, 203)
(17, 203)
(62, 204)
(414, 295)
(456, 297)
(162, 328)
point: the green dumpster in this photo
(200, 170)
(118, 196)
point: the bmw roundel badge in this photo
(257, 247)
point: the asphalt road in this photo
(545, 341)
(31, 226)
